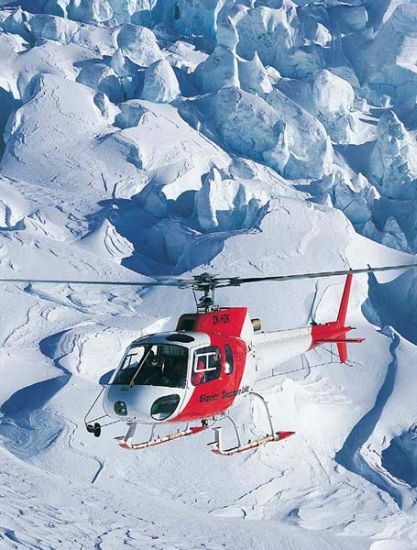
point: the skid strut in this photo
(126, 442)
(217, 445)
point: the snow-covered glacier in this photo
(240, 137)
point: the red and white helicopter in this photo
(195, 374)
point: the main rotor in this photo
(206, 283)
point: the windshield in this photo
(154, 365)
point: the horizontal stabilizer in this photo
(341, 341)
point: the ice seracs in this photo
(355, 197)
(268, 31)
(219, 70)
(394, 161)
(160, 83)
(308, 146)
(198, 17)
(90, 11)
(227, 34)
(227, 205)
(387, 64)
(393, 235)
(333, 99)
(138, 44)
(269, 134)
(101, 77)
(49, 27)
(254, 77)
(234, 111)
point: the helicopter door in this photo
(207, 365)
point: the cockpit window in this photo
(154, 365)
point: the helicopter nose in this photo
(146, 404)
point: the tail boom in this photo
(279, 346)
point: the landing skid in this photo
(217, 446)
(218, 450)
(126, 442)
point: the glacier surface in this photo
(170, 137)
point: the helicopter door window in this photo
(228, 368)
(207, 365)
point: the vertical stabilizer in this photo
(335, 331)
(341, 317)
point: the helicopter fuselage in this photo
(201, 369)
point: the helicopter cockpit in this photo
(156, 372)
(153, 364)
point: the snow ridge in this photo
(167, 137)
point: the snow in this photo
(393, 163)
(138, 44)
(219, 70)
(160, 84)
(145, 138)
(254, 77)
(333, 100)
(226, 204)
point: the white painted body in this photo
(274, 348)
(138, 400)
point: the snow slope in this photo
(242, 138)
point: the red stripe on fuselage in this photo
(215, 397)
(227, 322)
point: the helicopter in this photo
(196, 374)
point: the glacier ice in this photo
(253, 77)
(387, 64)
(268, 31)
(13, 206)
(400, 457)
(277, 138)
(394, 161)
(197, 17)
(356, 197)
(160, 83)
(138, 44)
(247, 137)
(219, 70)
(303, 136)
(48, 27)
(102, 78)
(90, 11)
(234, 111)
(333, 99)
(227, 205)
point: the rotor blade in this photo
(207, 281)
(320, 274)
(161, 282)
